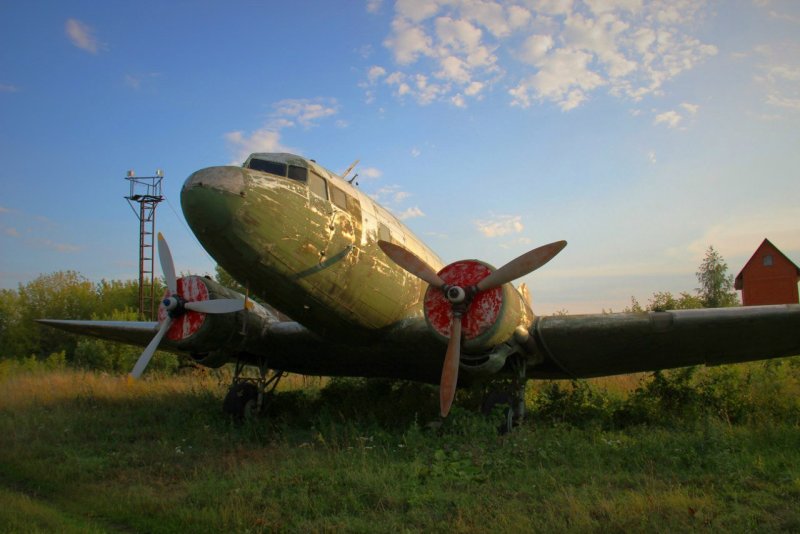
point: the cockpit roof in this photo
(291, 159)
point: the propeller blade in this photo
(167, 265)
(144, 359)
(519, 267)
(216, 306)
(411, 263)
(447, 387)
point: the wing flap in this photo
(605, 344)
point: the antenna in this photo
(350, 168)
(146, 191)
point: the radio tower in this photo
(146, 191)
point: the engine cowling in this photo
(491, 317)
(213, 339)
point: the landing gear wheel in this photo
(241, 402)
(500, 400)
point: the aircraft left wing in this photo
(130, 332)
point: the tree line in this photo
(69, 295)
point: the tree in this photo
(716, 285)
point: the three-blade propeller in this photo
(175, 306)
(460, 299)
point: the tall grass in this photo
(707, 449)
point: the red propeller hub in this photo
(190, 289)
(484, 310)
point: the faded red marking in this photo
(192, 289)
(482, 313)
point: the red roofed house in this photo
(769, 277)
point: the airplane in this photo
(368, 298)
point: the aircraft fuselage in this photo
(304, 240)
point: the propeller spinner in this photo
(177, 304)
(460, 298)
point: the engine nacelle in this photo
(492, 316)
(213, 339)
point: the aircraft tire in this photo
(498, 397)
(241, 402)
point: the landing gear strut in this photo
(248, 396)
(510, 397)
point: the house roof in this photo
(739, 282)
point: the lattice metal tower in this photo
(146, 192)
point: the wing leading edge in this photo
(583, 346)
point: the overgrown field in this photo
(689, 450)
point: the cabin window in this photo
(339, 197)
(316, 184)
(768, 260)
(383, 233)
(298, 173)
(271, 167)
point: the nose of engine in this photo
(211, 196)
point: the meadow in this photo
(700, 449)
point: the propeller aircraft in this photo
(367, 298)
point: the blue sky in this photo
(642, 132)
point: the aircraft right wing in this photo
(582, 346)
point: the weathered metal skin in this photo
(300, 252)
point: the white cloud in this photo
(390, 194)
(410, 213)
(651, 157)
(500, 225)
(408, 42)
(779, 75)
(670, 118)
(374, 73)
(741, 235)
(306, 111)
(571, 48)
(415, 152)
(535, 48)
(370, 172)
(8, 88)
(82, 36)
(374, 6)
(243, 145)
(690, 108)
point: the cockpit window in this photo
(271, 167)
(298, 173)
(316, 184)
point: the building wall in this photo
(763, 284)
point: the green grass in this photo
(83, 452)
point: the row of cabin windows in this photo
(316, 183)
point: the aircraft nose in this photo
(228, 179)
(210, 198)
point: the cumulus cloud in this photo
(242, 145)
(568, 49)
(500, 225)
(670, 118)
(286, 114)
(370, 172)
(82, 36)
(410, 213)
(305, 111)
